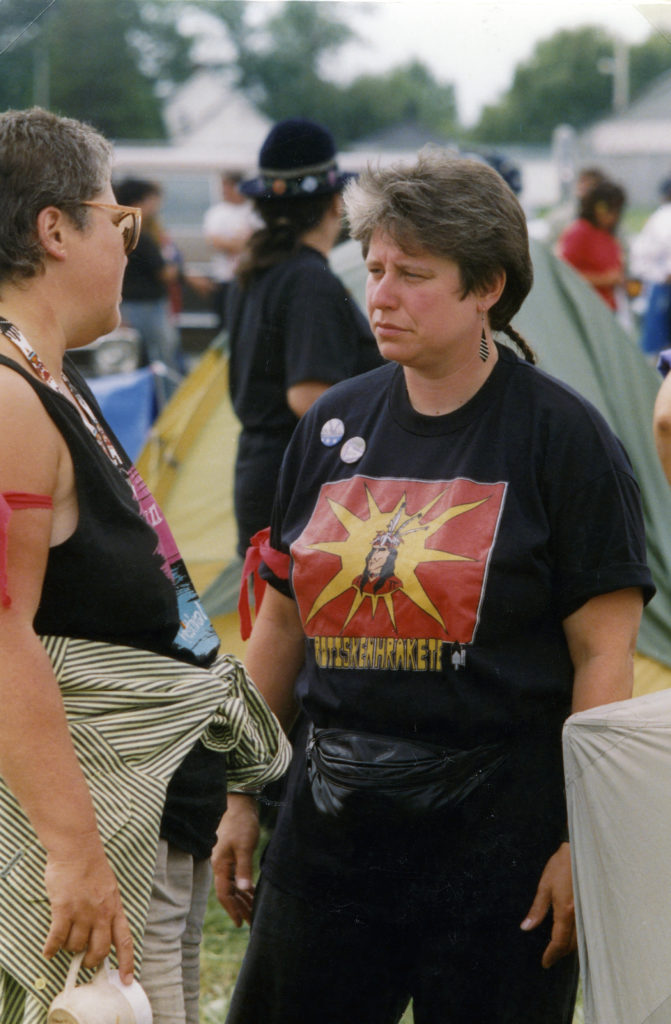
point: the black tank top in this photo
(112, 580)
(119, 578)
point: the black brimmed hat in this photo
(297, 159)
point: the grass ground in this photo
(223, 948)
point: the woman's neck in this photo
(39, 328)
(324, 235)
(445, 393)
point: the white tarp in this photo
(618, 784)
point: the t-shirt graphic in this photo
(195, 633)
(397, 558)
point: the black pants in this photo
(257, 468)
(219, 299)
(346, 965)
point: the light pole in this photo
(618, 67)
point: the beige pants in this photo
(171, 959)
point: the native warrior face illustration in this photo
(396, 558)
(381, 559)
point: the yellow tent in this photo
(187, 462)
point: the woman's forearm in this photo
(276, 653)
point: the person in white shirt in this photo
(650, 259)
(227, 226)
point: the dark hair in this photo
(593, 174)
(286, 221)
(605, 193)
(132, 191)
(45, 160)
(458, 209)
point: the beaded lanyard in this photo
(88, 417)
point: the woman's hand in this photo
(237, 839)
(274, 657)
(555, 890)
(86, 908)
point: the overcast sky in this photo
(474, 43)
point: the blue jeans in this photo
(656, 329)
(160, 342)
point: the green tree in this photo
(561, 83)
(92, 59)
(404, 94)
(648, 60)
(279, 64)
(22, 53)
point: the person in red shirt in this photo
(589, 243)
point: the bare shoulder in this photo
(32, 447)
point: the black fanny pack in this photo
(368, 774)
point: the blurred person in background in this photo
(651, 262)
(587, 179)
(590, 244)
(294, 329)
(227, 226)
(153, 270)
(559, 218)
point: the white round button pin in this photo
(332, 432)
(353, 449)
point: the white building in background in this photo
(206, 113)
(634, 146)
(212, 128)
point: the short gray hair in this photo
(455, 208)
(45, 160)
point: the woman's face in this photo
(416, 309)
(98, 266)
(605, 216)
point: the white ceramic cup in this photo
(134, 994)
(103, 1000)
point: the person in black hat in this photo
(294, 330)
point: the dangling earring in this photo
(484, 346)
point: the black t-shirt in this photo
(433, 562)
(295, 322)
(143, 281)
(119, 578)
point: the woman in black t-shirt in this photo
(294, 330)
(421, 851)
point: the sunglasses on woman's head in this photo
(128, 219)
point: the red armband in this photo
(9, 502)
(259, 551)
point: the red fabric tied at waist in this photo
(259, 551)
(9, 502)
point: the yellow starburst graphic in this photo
(414, 531)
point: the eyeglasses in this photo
(128, 219)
